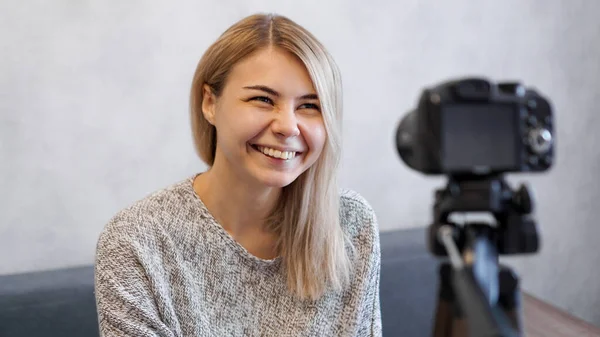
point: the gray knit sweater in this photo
(165, 267)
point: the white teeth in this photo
(276, 153)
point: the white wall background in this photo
(94, 97)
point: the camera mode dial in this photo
(540, 140)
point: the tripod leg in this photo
(448, 320)
(443, 319)
(510, 297)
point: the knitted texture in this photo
(165, 267)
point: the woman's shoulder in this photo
(356, 214)
(159, 207)
(353, 203)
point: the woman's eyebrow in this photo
(309, 96)
(273, 92)
(263, 88)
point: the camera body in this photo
(471, 126)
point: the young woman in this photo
(263, 243)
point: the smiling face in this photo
(268, 119)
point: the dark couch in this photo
(61, 303)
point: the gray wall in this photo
(94, 95)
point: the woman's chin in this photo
(277, 180)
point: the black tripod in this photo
(477, 296)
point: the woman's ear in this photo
(209, 102)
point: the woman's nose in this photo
(286, 123)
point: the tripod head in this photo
(515, 229)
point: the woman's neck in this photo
(238, 205)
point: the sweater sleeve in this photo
(365, 229)
(376, 328)
(124, 297)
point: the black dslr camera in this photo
(473, 126)
(473, 131)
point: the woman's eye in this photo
(310, 106)
(263, 99)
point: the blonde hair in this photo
(315, 251)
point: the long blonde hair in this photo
(315, 251)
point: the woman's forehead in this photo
(273, 68)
